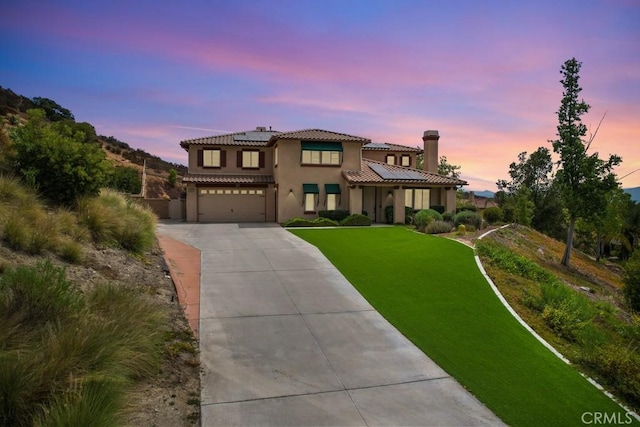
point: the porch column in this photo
(398, 205)
(355, 200)
(450, 200)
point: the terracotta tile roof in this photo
(201, 178)
(387, 146)
(368, 176)
(249, 138)
(319, 135)
(262, 138)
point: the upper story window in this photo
(250, 159)
(405, 160)
(390, 159)
(211, 158)
(321, 153)
(275, 155)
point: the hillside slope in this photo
(579, 309)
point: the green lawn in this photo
(432, 291)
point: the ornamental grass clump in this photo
(68, 357)
(115, 220)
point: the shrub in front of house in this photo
(298, 222)
(356, 219)
(424, 217)
(438, 227)
(388, 215)
(438, 208)
(492, 214)
(468, 218)
(336, 215)
(448, 217)
(324, 222)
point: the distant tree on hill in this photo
(52, 109)
(56, 161)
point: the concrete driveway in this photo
(286, 340)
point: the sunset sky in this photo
(484, 74)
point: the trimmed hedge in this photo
(325, 222)
(336, 215)
(356, 219)
(298, 222)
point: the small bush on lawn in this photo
(424, 217)
(438, 227)
(336, 215)
(324, 222)
(448, 216)
(468, 218)
(298, 222)
(492, 214)
(356, 219)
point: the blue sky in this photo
(484, 74)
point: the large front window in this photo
(321, 153)
(417, 198)
(313, 157)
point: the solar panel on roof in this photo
(253, 136)
(395, 174)
(377, 145)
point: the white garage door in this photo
(231, 204)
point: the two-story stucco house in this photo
(268, 176)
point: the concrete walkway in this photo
(286, 340)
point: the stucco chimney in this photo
(430, 162)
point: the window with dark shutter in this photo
(261, 160)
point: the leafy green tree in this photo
(535, 173)
(125, 180)
(173, 177)
(584, 180)
(56, 161)
(631, 288)
(523, 206)
(447, 169)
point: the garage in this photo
(231, 204)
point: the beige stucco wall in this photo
(192, 203)
(290, 175)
